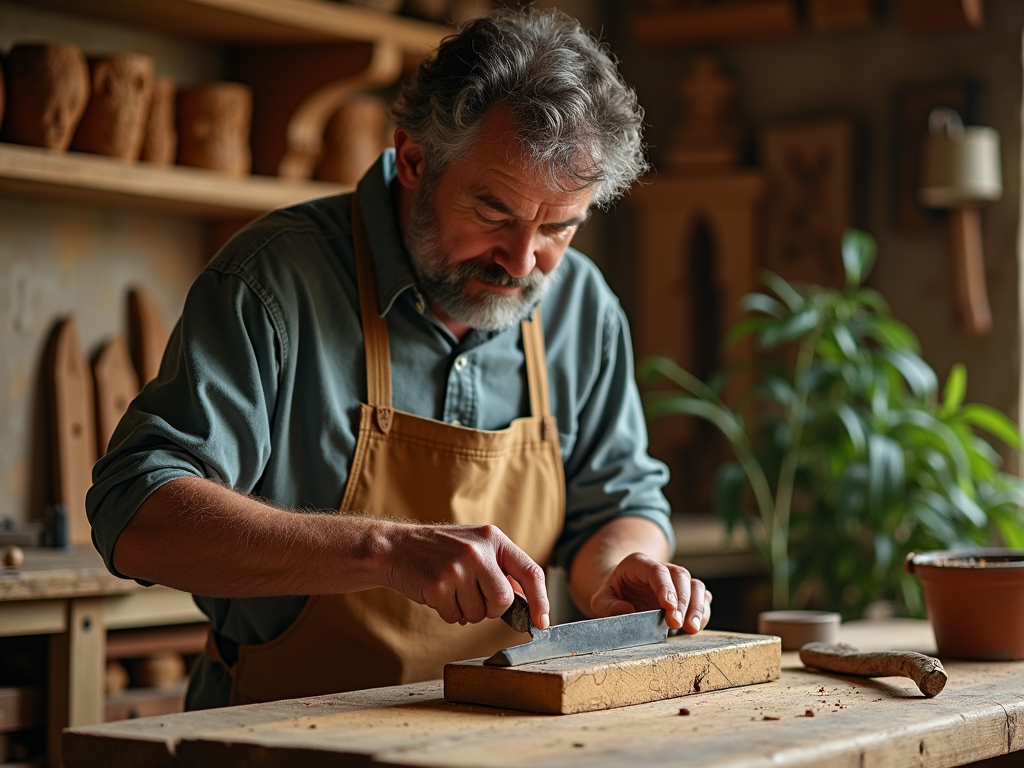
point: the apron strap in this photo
(536, 365)
(375, 328)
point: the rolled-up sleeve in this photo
(609, 473)
(208, 412)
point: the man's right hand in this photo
(462, 572)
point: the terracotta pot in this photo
(214, 123)
(47, 89)
(160, 142)
(975, 601)
(114, 122)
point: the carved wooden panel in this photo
(809, 165)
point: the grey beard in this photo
(444, 284)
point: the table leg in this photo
(77, 662)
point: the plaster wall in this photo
(859, 74)
(61, 258)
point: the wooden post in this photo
(77, 663)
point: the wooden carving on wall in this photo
(810, 198)
(707, 136)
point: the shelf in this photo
(97, 180)
(263, 21)
(726, 22)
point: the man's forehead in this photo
(575, 208)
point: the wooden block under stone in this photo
(683, 665)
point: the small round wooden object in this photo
(799, 627)
(160, 670)
(116, 678)
(214, 122)
(114, 122)
(47, 90)
(13, 557)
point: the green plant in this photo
(854, 458)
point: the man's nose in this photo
(518, 254)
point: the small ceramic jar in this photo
(114, 122)
(214, 123)
(47, 90)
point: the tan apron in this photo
(418, 468)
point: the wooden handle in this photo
(969, 271)
(923, 670)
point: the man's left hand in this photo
(640, 583)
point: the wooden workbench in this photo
(806, 718)
(72, 598)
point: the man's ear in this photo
(409, 160)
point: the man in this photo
(384, 354)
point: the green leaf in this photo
(859, 251)
(797, 326)
(661, 404)
(744, 328)
(992, 421)
(892, 334)
(956, 388)
(790, 296)
(885, 472)
(730, 485)
(653, 367)
(869, 297)
(763, 303)
(854, 427)
(844, 339)
(968, 507)
(947, 437)
(918, 374)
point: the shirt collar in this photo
(394, 271)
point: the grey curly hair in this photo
(577, 121)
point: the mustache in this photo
(496, 275)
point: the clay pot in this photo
(975, 601)
(114, 122)
(354, 139)
(160, 140)
(214, 122)
(47, 89)
(796, 628)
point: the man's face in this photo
(487, 238)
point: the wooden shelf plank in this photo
(97, 180)
(263, 21)
(747, 20)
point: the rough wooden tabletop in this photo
(54, 573)
(806, 718)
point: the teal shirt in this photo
(262, 379)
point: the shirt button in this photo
(460, 362)
(456, 423)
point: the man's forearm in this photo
(603, 551)
(197, 536)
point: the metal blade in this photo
(580, 637)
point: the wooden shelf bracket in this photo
(295, 92)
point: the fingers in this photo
(640, 583)
(520, 566)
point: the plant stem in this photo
(779, 531)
